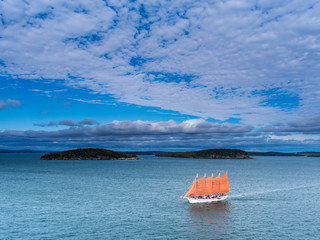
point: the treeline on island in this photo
(209, 153)
(89, 154)
(105, 154)
(220, 153)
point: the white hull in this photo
(207, 200)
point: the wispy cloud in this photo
(302, 125)
(9, 103)
(69, 123)
(50, 124)
(297, 137)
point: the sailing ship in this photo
(206, 190)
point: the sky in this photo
(160, 75)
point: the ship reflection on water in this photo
(217, 211)
(206, 217)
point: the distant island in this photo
(104, 154)
(88, 154)
(209, 153)
(19, 151)
(294, 154)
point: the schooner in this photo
(206, 190)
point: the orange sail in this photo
(216, 185)
(224, 183)
(208, 187)
(192, 189)
(200, 186)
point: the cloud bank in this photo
(165, 135)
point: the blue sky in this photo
(141, 75)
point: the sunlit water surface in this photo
(270, 198)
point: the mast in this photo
(212, 184)
(220, 180)
(197, 184)
(204, 187)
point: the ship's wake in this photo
(272, 191)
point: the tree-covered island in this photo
(89, 154)
(209, 153)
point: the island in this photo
(209, 153)
(282, 154)
(19, 151)
(88, 154)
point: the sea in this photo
(270, 198)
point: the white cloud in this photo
(227, 48)
(170, 127)
(296, 137)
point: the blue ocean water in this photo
(270, 198)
